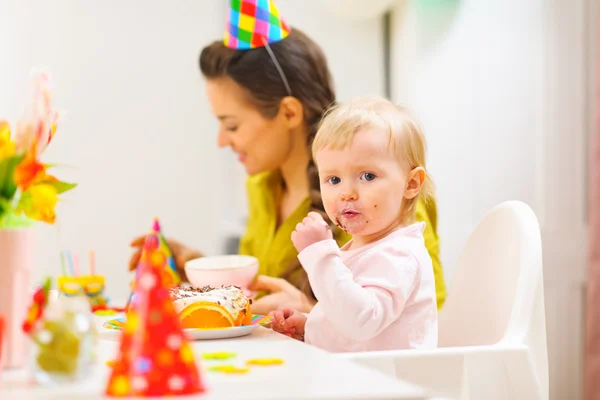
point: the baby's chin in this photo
(358, 227)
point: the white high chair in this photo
(492, 329)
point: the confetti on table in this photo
(222, 355)
(111, 363)
(264, 320)
(265, 361)
(229, 369)
(105, 313)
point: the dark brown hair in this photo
(307, 73)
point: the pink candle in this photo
(92, 263)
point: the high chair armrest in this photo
(447, 371)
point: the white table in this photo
(308, 373)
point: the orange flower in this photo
(38, 202)
(29, 172)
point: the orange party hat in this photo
(155, 358)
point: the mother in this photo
(268, 99)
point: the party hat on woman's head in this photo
(254, 23)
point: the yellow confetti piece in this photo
(222, 355)
(111, 363)
(105, 313)
(229, 369)
(264, 361)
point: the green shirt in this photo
(273, 246)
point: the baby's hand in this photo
(289, 322)
(311, 230)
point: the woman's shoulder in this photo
(426, 211)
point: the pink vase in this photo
(16, 264)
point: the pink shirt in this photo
(377, 297)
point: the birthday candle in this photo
(92, 263)
(70, 261)
(76, 263)
(62, 263)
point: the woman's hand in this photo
(181, 253)
(289, 322)
(312, 229)
(281, 293)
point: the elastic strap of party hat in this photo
(277, 65)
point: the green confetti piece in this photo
(222, 355)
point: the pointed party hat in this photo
(253, 23)
(163, 256)
(155, 358)
(171, 275)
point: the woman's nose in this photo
(223, 139)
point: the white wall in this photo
(471, 70)
(501, 88)
(138, 128)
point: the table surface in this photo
(307, 373)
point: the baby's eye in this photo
(368, 176)
(334, 180)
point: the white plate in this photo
(207, 334)
(193, 334)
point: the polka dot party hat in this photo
(155, 358)
(164, 256)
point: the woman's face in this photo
(261, 144)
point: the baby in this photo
(377, 292)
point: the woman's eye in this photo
(334, 180)
(367, 176)
(232, 130)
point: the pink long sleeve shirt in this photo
(380, 296)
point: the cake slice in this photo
(211, 308)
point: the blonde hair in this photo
(406, 139)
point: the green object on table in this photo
(221, 355)
(61, 353)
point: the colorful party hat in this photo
(155, 358)
(164, 256)
(170, 273)
(254, 23)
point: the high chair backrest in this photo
(497, 278)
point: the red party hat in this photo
(155, 358)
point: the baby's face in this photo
(363, 185)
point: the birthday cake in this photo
(211, 308)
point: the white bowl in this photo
(225, 270)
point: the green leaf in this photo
(60, 186)
(8, 186)
(10, 220)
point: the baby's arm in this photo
(365, 305)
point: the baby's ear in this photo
(415, 181)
